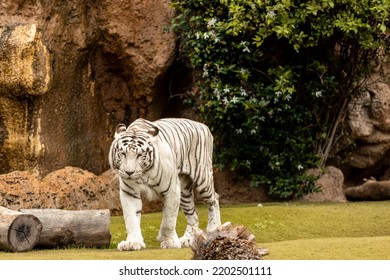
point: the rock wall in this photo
(71, 70)
(73, 188)
(368, 131)
(68, 188)
(25, 74)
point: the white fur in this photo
(168, 169)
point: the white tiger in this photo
(167, 158)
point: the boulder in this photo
(234, 191)
(73, 188)
(330, 184)
(69, 188)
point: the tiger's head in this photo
(132, 151)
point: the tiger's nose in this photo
(129, 173)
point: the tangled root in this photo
(227, 242)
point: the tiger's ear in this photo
(153, 131)
(149, 127)
(119, 129)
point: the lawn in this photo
(291, 231)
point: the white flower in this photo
(243, 92)
(239, 131)
(205, 70)
(288, 97)
(234, 100)
(216, 40)
(271, 14)
(197, 35)
(226, 90)
(225, 101)
(299, 167)
(278, 93)
(206, 35)
(217, 93)
(211, 22)
(245, 45)
(318, 94)
(243, 71)
(253, 131)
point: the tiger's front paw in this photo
(130, 246)
(170, 244)
(185, 242)
(187, 239)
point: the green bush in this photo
(273, 78)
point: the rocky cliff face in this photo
(368, 131)
(71, 70)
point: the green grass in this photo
(300, 231)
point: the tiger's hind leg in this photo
(214, 216)
(211, 198)
(187, 205)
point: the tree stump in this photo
(227, 242)
(65, 228)
(19, 232)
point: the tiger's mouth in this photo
(130, 175)
(139, 177)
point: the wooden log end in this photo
(24, 233)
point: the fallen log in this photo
(371, 190)
(19, 232)
(71, 228)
